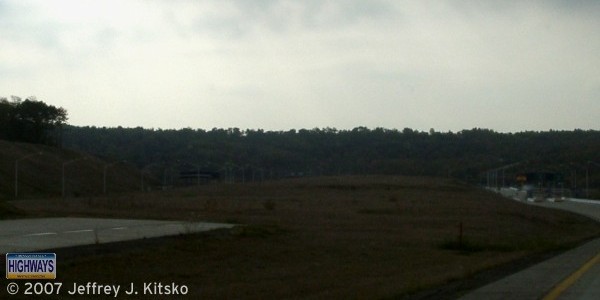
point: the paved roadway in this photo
(38, 234)
(571, 275)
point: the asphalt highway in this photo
(571, 275)
(26, 235)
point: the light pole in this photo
(233, 168)
(243, 169)
(142, 183)
(63, 172)
(587, 177)
(256, 169)
(587, 180)
(17, 171)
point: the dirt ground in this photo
(345, 237)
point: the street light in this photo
(63, 172)
(17, 171)
(587, 175)
(232, 168)
(492, 175)
(243, 169)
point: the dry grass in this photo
(346, 237)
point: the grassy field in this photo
(344, 237)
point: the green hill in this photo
(38, 171)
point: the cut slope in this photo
(38, 171)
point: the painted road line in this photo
(119, 228)
(79, 231)
(583, 201)
(41, 233)
(565, 284)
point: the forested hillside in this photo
(245, 154)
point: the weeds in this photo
(261, 231)
(96, 237)
(210, 205)
(368, 211)
(269, 205)
(464, 246)
(7, 211)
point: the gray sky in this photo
(276, 65)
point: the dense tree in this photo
(31, 121)
(467, 154)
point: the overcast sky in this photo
(277, 65)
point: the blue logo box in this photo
(30, 265)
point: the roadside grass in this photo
(8, 211)
(336, 237)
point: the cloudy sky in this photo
(277, 65)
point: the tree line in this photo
(31, 121)
(466, 154)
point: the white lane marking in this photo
(41, 233)
(119, 228)
(583, 201)
(79, 231)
